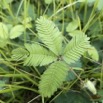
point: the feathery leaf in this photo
(49, 34)
(19, 54)
(53, 78)
(38, 55)
(75, 48)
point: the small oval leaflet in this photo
(16, 31)
(93, 53)
(3, 31)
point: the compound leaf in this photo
(38, 55)
(49, 34)
(53, 78)
(75, 48)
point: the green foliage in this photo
(51, 1)
(73, 97)
(53, 78)
(16, 31)
(5, 3)
(52, 38)
(10, 32)
(93, 53)
(72, 26)
(45, 50)
(3, 31)
(99, 3)
(48, 1)
(1, 82)
(75, 32)
(49, 34)
(19, 54)
(38, 55)
(100, 92)
(100, 6)
(76, 47)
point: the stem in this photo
(69, 5)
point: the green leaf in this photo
(73, 97)
(76, 64)
(71, 76)
(72, 26)
(3, 31)
(48, 1)
(100, 93)
(90, 1)
(75, 32)
(19, 54)
(81, 0)
(100, 5)
(49, 34)
(8, 1)
(3, 42)
(32, 11)
(5, 3)
(16, 31)
(26, 22)
(93, 53)
(75, 48)
(53, 78)
(2, 82)
(38, 55)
